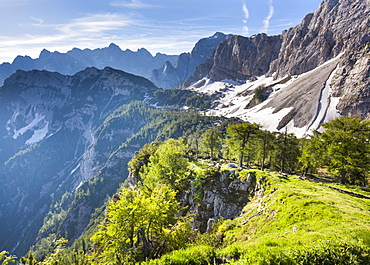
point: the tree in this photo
(239, 136)
(312, 153)
(140, 225)
(346, 142)
(265, 146)
(6, 258)
(141, 158)
(286, 152)
(211, 141)
(168, 165)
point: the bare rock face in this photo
(166, 76)
(352, 83)
(225, 198)
(238, 58)
(336, 26)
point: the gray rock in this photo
(238, 58)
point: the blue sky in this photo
(167, 26)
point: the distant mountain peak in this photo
(113, 46)
(44, 54)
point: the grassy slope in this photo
(293, 221)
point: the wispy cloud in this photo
(96, 23)
(266, 21)
(245, 20)
(130, 4)
(38, 20)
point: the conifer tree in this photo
(238, 137)
(211, 141)
(346, 142)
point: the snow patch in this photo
(38, 135)
(266, 117)
(332, 112)
(38, 118)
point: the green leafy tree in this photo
(6, 258)
(59, 255)
(168, 165)
(239, 136)
(346, 142)
(142, 224)
(141, 158)
(211, 141)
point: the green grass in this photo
(295, 221)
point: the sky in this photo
(166, 26)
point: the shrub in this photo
(197, 255)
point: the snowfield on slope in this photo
(298, 104)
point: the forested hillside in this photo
(188, 202)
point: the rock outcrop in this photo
(226, 198)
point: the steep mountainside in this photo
(310, 74)
(139, 63)
(170, 75)
(48, 120)
(65, 142)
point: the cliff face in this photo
(337, 26)
(238, 58)
(352, 83)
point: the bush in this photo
(197, 255)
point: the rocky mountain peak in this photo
(310, 74)
(113, 46)
(44, 54)
(187, 62)
(335, 27)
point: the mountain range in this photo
(67, 131)
(165, 71)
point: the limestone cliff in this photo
(238, 58)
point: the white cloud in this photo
(266, 21)
(245, 20)
(245, 11)
(97, 23)
(87, 32)
(132, 4)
